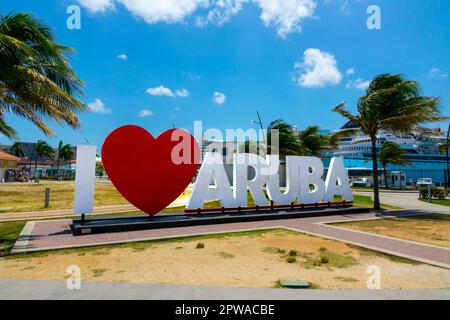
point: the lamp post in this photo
(260, 124)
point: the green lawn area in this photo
(30, 196)
(445, 202)
(9, 232)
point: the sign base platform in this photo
(92, 225)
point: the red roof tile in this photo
(4, 155)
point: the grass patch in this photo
(390, 257)
(200, 245)
(346, 279)
(444, 202)
(9, 232)
(98, 272)
(328, 258)
(273, 250)
(224, 255)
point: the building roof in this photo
(7, 156)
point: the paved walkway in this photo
(90, 290)
(407, 200)
(55, 234)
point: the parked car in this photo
(362, 182)
(424, 182)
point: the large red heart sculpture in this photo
(147, 171)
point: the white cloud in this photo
(221, 11)
(182, 93)
(350, 71)
(145, 113)
(286, 15)
(169, 11)
(437, 73)
(163, 91)
(97, 6)
(359, 84)
(122, 56)
(98, 107)
(318, 69)
(219, 98)
(160, 91)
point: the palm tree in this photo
(287, 140)
(309, 142)
(65, 153)
(41, 149)
(17, 150)
(393, 104)
(313, 143)
(36, 80)
(391, 152)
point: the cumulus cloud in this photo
(97, 6)
(163, 91)
(97, 106)
(350, 71)
(318, 69)
(122, 56)
(285, 15)
(219, 98)
(145, 113)
(437, 73)
(169, 11)
(359, 84)
(182, 93)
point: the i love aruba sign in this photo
(152, 172)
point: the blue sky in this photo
(219, 62)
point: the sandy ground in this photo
(420, 229)
(235, 261)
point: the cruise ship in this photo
(422, 150)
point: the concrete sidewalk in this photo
(407, 200)
(90, 290)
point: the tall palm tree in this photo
(391, 152)
(41, 149)
(17, 150)
(393, 104)
(36, 81)
(65, 153)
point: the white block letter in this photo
(85, 179)
(337, 181)
(292, 181)
(240, 178)
(312, 187)
(211, 170)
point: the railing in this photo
(272, 207)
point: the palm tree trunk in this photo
(376, 188)
(385, 177)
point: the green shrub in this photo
(200, 245)
(436, 193)
(291, 259)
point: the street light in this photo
(259, 122)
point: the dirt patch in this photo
(234, 261)
(432, 229)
